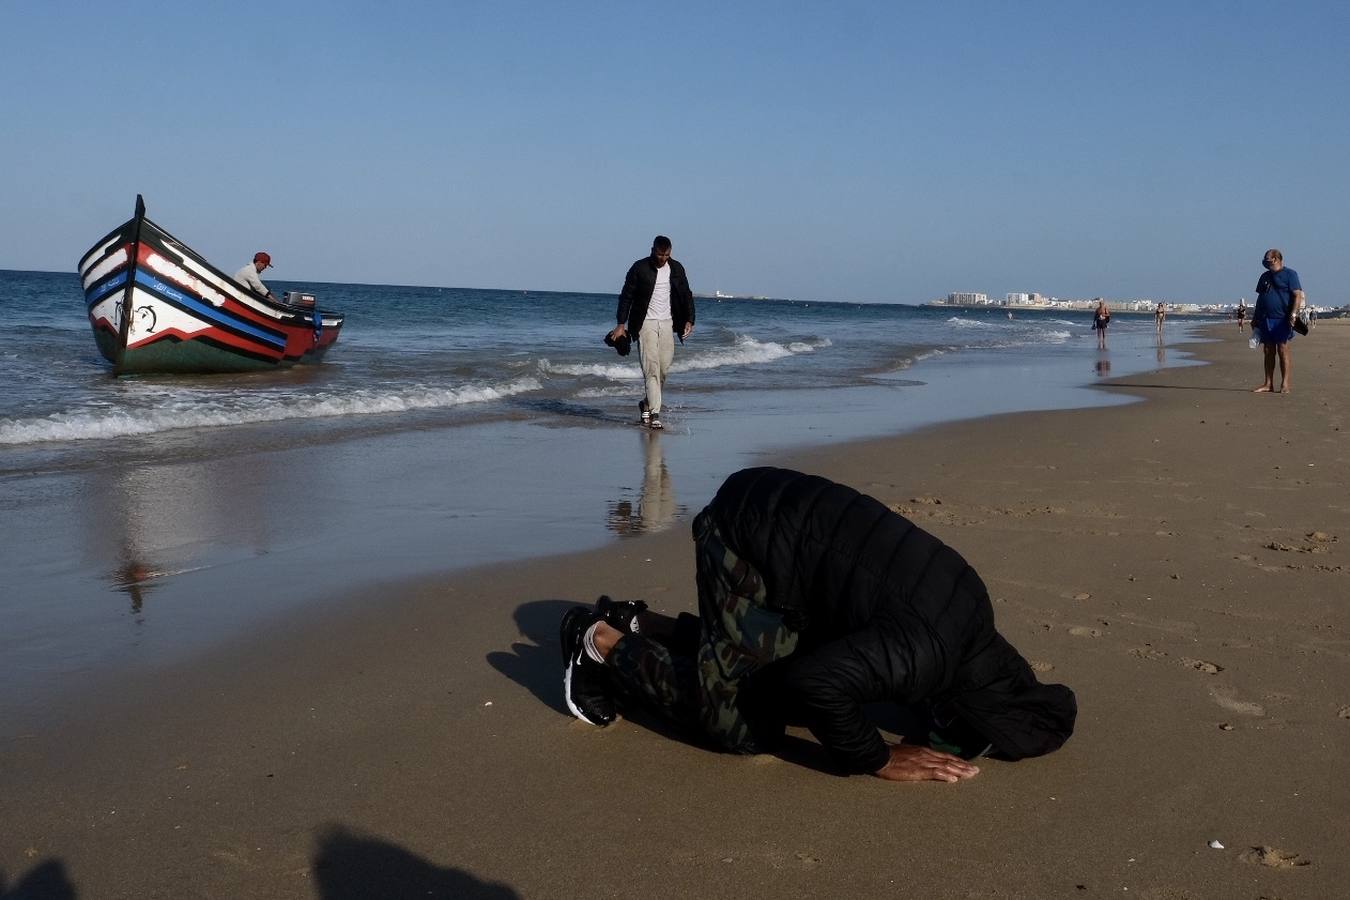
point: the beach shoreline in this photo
(1152, 555)
(135, 550)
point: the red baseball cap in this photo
(262, 257)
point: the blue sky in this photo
(844, 151)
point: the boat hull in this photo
(155, 305)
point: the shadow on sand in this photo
(352, 866)
(45, 881)
(536, 662)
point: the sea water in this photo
(418, 356)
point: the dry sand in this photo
(1183, 563)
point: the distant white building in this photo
(1022, 299)
(959, 299)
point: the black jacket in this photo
(886, 611)
(638, 285)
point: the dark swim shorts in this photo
(1274, 330)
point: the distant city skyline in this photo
(862, 152)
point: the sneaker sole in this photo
(567, 696)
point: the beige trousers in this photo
(656, 346)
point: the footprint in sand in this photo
(1232, 704)
(1273, 857)
(1200, 665)
(1076, 595)
(1147, 652)
(1084, 631)
(1039, 666)
(1343, 712)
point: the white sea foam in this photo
(908, 361)
(629, 371)
(191, 410)
(1030, 339)
(745, 351)
(604, 393)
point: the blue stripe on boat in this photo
(206, 310)
(102, 290)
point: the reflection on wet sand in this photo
(656, 509)
(1103, 367)
(148, 523)
(133, 579)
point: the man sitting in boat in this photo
(248, 275)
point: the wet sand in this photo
(1182, 563)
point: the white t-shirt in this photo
(659, 307)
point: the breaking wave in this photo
(745, 351)
(191, 410)
(626, 371)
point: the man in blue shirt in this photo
(1279, 295)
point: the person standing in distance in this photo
(1278, 298)
(1101, 317)
(655, 305)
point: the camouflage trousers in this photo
(738, 633)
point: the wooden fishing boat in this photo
(156, 305)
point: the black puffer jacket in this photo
(886, 612)
(638, 285)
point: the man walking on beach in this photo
(1279, 295)
(814, 600)
(655, 305)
